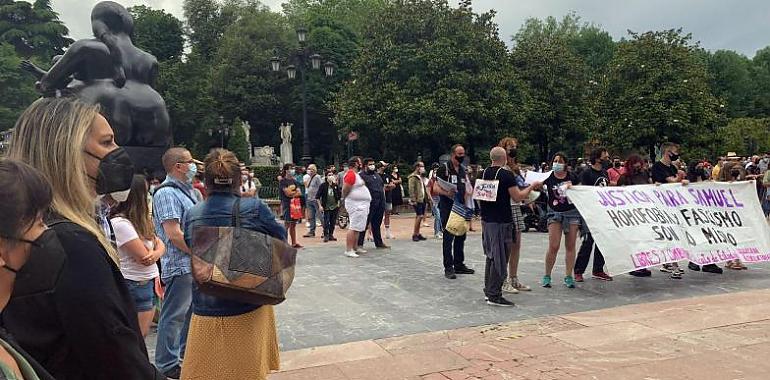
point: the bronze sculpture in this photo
(111, 71)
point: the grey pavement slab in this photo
(385, 293)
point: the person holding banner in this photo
(594, 175)
(664, 171)
(636, 174)
(563, 218)
(494, 191)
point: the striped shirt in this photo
(170, 203)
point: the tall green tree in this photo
(760, 77)
(746, 136)
(429, 75)
(33, 29)
(243, 84)
(560, 84)
(18, 89)
(657, 90)
(730, 80)
(354, 14)
(157, 32)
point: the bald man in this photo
(497, 225)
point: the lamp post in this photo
(223, 130)
(299, 61)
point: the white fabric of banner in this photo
(648, 225)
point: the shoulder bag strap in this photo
(171, 184)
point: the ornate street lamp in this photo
(329, 68)
(301, 34)
(315, 61)
(300, 60)
(275, 63)
(291, 70)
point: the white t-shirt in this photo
(130, 268)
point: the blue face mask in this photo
(558, 167)
(192, 170)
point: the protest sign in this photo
(531, 177)
(647, 225)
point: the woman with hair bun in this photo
(229, 340)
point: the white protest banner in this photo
(647, 225)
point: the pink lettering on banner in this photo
(655, 257)
(715, 256)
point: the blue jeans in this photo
(436, 217)
(312, 208)
(174, 322)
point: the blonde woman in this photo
(84, 325)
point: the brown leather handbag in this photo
(240, 264)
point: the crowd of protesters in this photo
(90, 252)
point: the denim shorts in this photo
(419, 209)
(142, 292)
(566, 218)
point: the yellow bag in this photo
(456, 225)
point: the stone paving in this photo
(357, 318)
(722, 336)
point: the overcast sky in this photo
(740, 25)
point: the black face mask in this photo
(116, 171)
(460, 159)
(512, 152)
(605, 164)
(42, 271)
(617, 165)
(673, 156)
(735, 174)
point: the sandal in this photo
(736, 265)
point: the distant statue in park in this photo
(247, 136)
(110, 71)
(286, 151)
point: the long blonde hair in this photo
(51, 135)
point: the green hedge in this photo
(268, 175)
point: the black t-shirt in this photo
(498, 211)
(448, 173)
(376, 187)
(386, 180)
(557, 199)
(593, 177)
(661, 171)
(283, 185)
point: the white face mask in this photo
(292, 172)
(371, 167)
(331, 178)
(244, 178)
(152, 188)
(395, 170)
(421, 171)
(120, 196)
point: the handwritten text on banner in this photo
(642, 226)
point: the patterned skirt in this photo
(232, 348)
(518, 218)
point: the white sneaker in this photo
(307, 224)
(350, 254)
(439, 236)
(388, 235)
(360, 250)
(519, 286)
(508, 287)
